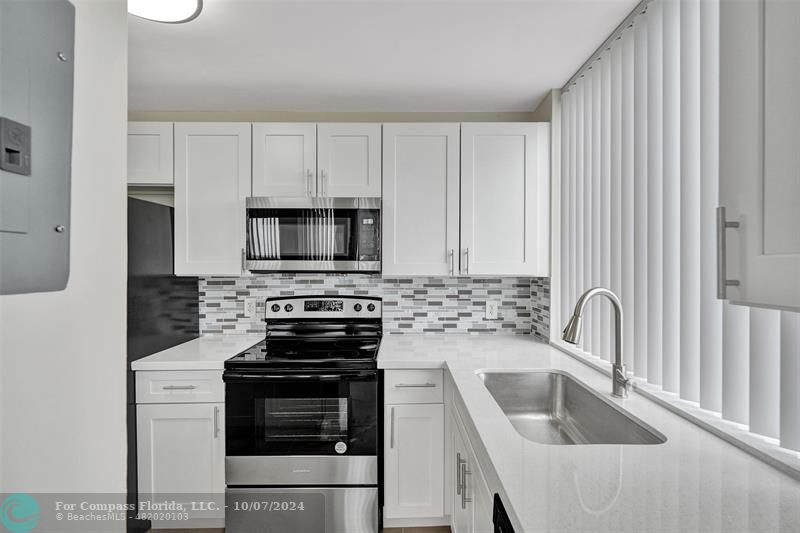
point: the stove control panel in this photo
(320, 307)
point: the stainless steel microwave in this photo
(313, 234)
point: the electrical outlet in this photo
(492, 307)
(250, 307)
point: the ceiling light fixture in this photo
(167, 11)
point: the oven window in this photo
(301, 417)
(292, 419)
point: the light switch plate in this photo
(492, 307)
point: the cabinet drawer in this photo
(180, 387)
(413, 386)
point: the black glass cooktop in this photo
(307, 354)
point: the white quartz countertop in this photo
(204, 353)
(695, 482)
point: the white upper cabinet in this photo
(505, 199)
(420, 199)
(759, 150)
(212, 180)
(349, 160)
(284, 159)
(150, 160)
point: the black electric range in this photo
(303, 418)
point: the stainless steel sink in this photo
(554, 408)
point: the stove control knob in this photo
(371, 307)
(276, 308)
(288, 308)
(357, 307)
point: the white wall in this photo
(62, 354)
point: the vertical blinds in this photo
(639, 186)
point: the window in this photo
(639, 181)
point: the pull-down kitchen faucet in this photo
(572, 332)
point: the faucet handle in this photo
(623, 379)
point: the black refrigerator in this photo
(162, 307)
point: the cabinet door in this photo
(284, 159)
(150, 160)
(420, 199)
(349, 160)
(212, 180)
(181, 451)
(505, 199)
(759, 155)
(414, 461)
(460, 507)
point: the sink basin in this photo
(555, 408)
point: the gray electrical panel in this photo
(36, 83)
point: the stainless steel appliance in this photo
(313, 234)
(303, 420)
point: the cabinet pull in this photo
(216, 421)
(466, 261)
(391, 428)
(309, 187)
(322, 185)
(451, 255)
(179, 387)
(464, 473)
(244, 261)
(415, 385)
(722, 254)
(459, 460)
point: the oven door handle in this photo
(260, 378)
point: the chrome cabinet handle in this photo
(452, 261)
(322, 185)
(179, 387)
(216, 421)
(415, 385)
(244, 261)
(722, 250)
(391, 429)
(459, 460)
(309, 186)
(466, 261)
(464, 473)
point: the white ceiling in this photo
(365, 55)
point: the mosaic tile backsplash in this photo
(410, 305)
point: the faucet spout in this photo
(572, 332)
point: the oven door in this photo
(313, 234)
(331, 413)
(306, 510)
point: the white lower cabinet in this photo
(414, 461)
(470, 498)
(181, 456)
